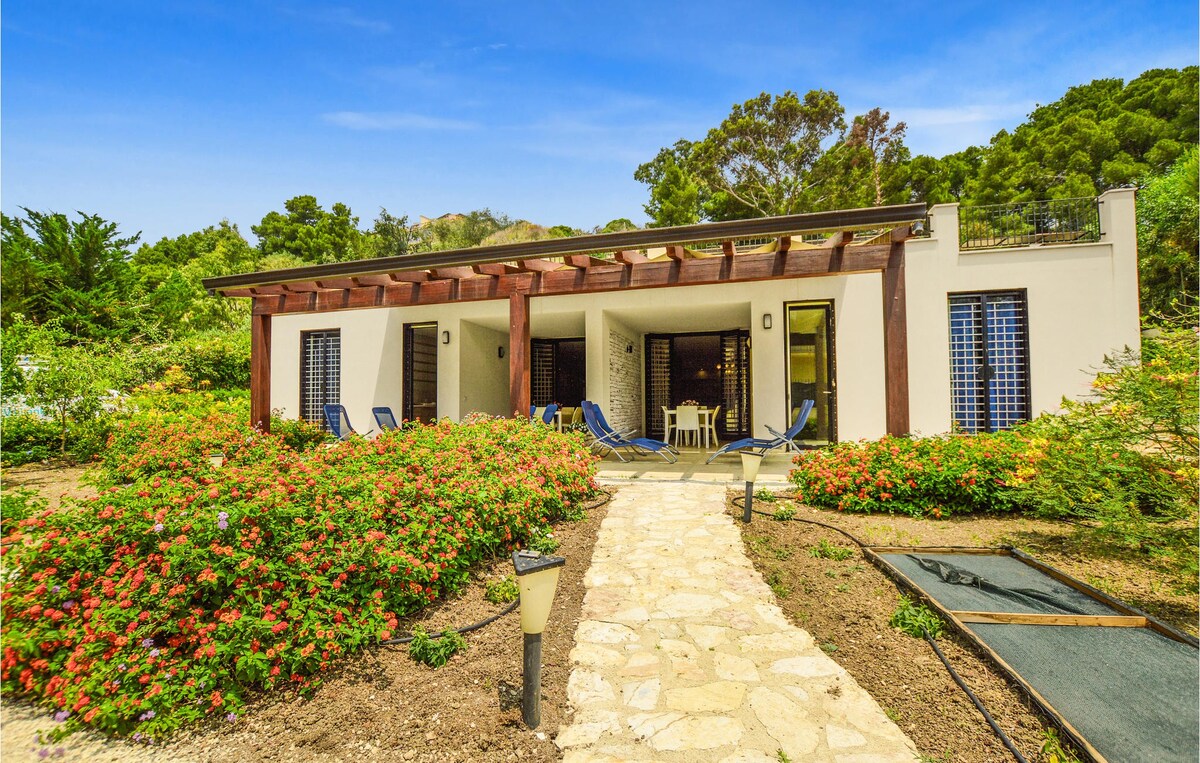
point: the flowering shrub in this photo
(935, 476)
(158, 602)
(1126, 459)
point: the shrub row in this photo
(936, 476)
(161, 601)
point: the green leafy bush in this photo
(435, 652)
(25, 438)
(826, 550)
(502, 591)
(544, 543)
(935, 476)
(916, 619)
(784, 513)
(1126, 459)
(16, 505)
(172, 597)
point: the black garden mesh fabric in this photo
(1132, 693)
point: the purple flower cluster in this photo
(146, 715)
(223, 520)
(159, 527)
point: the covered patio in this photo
(603, 305)
(691, 468)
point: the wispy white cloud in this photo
(365, 120)
(340, 16)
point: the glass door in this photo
(811, 370)
(711, 368)
(420, 371)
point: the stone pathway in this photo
(682, 654)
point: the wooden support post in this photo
(895, 342)
(518, 353)
(260, 371)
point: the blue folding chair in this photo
(339, 422)
(548, 414)
(384, 418)
(616, 443)
(780, 439)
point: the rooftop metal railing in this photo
(1027, 223)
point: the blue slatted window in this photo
(989, 360)
(320, 373)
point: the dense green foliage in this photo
(175, 595)
(785, 154)
(1127, 458)
(1168, 211)
(1124, 461)
(435, 652)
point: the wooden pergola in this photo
(707, 253)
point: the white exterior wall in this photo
(1082, 304)
(1082, 301)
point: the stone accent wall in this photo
(624, 409)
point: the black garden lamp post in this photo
(750, 463)
(537, 576)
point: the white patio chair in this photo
(687, 421)
(711, 426)
(668, 423)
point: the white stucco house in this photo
(893, 319)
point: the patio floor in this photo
(691, 467)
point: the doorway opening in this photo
(558, 372)
(420, 372)
(710, 368)
(811, 370)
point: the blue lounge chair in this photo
(339, 422)
(780, 439)
(616, 443)
(548, 414)
(384, 418)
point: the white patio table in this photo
(705, 427)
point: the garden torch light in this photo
(537, 576)
(750, 463)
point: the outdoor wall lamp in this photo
(537, 576)
(767, 320)
(500, 351)
(629, 348)
(750, 463)
(445, 337)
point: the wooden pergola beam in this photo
(840, 239)
(495, 269)
(640, 275)
(260, 371)
(630, 258)
(728, 248)
(519, 363)
(538, 266)
(454, 273)
(676, 252)
(376, 280)
(411, 276)
(584, 261)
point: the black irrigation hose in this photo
(1004, 738)
(607, 496)
(978, 705)
(464, 629)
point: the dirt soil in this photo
(846, 606)
(53, 482)
(381, 705)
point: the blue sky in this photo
(167, 117)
